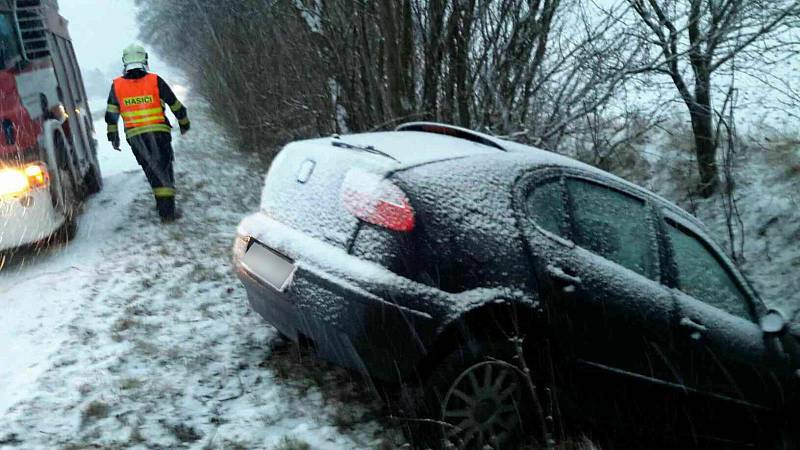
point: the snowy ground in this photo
(138, 335)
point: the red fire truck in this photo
(48, 157)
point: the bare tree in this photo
(704, 36)
(531, 69)
(274, 70)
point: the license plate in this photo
(270, 266)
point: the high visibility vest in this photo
(140, 105)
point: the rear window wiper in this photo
(363, 148)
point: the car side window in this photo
(545, 205)
(614, 225)
(701, 275)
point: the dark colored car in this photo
(511, 290)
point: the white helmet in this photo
(134, 57)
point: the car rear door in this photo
(597, 262)
(725, 356)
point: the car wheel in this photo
(473, 399)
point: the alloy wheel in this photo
(482, 406)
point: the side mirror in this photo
(774, 323)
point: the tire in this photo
(474, 397)
(66, 197)
(69, 208)
(93, 179)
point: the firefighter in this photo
(140, 98)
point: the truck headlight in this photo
(15, 181)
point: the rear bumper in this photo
(357, 314)
(27, 219)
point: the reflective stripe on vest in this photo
(140, 105)
(164, 192)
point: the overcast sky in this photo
(100, 29)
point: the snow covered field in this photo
(138, 335)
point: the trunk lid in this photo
(303, 186)
(304, 183)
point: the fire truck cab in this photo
(48, 156)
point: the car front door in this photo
(596, 257)
(725, 353)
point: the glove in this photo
(114, 139)
(185, 128)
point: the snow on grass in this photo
(143, 337)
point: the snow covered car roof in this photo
(419, 143)
(407, 148)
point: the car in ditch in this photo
(508, 291)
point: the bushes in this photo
(250, 59)
(275, 70)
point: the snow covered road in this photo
(138, 335)
(41, 290)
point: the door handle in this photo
(559, 274)
(695, 328)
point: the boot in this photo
(166, 209)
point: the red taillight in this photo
(377, 200)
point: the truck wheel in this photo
(94, 178)
(66, 194)
(476, 397)
(69, 207)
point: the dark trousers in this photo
(153, 152)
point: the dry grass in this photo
(300, 368)
(94, 411)
(292, 443)
(781, 150)
(184, 433)
(348, 398)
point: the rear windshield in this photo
(9, 43)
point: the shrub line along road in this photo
(138, 335)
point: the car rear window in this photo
(613, 225)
